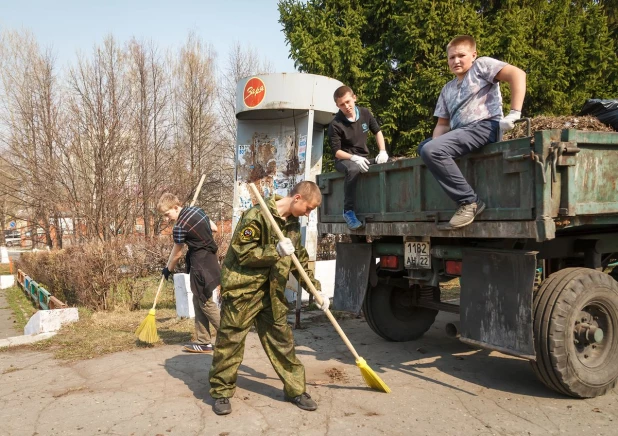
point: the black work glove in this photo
(166, 273)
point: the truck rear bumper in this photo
(478, 229)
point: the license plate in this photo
(417, 255)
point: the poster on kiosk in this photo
(279, 138)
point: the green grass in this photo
(21, 306)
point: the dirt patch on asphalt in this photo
(336, 375)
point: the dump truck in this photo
(535, 268)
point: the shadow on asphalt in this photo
(420, 358)
(192, 369)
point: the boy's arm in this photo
(380, 141)
(175, 256)
(303, 259)
(213, 226)
(516, 78)
(442, 126)
(247, 247)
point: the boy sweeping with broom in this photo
(255, 271)
(194, 228)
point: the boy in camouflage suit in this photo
(253, 278)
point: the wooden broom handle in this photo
(195, 195)
(266, 213)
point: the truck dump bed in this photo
(533, 187)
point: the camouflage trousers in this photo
(237, 317)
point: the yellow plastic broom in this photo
(371, 378)
(147, 330)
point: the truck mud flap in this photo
(351, 276)
(496, 300)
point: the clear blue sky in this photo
(71, 25)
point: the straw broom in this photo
(147, 330)
(371, 378)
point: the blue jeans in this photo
(439, 156)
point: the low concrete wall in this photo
(6, 281)
(46, 321)
(183, 295)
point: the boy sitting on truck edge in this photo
(194, 228)
(255, 271)
(348, 139)
(469, 112)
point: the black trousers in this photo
(351, 171)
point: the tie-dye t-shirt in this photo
(477, 97)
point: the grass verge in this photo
(21, 306)
(104, 332)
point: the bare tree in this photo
(30, 120)
(195, 118)
(150, 100)
(100, 135)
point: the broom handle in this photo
(195, 195)
(266, 213)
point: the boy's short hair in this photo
(167, 202)
(462, 40)
(341, 91)
(307, 190)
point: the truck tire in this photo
(576, 332)
(390, 313)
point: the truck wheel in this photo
(390, 313)
(576, 332)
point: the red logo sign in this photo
(254, 92)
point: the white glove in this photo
(382, 157)
(285, 247)
(508, 122)
(362, 162)
(325, 302)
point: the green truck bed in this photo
(534, 187)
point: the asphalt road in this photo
(439, 387)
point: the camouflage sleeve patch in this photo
(249, 233)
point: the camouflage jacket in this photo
(252, 261)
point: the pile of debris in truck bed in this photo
(587, 122)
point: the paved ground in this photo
(440, 387)
(7, 319)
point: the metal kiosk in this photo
(279, 138)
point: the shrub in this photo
(98, 275)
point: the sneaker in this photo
(466, 213)
(351, 220)
(303, 401)
(198, 348)
(222, 406)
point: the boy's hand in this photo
(382, 157)
(362, 162)
(166, 273)
(285, 247)
(325, 302)
(508, 122)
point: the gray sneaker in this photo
(222, 406)
(466, 213)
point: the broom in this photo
(371, 378)
(147, 330)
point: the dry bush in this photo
(99, 275)
(327, 245)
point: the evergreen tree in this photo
(393, 52)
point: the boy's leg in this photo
(205, 314)
(278, 342)
(351, 171)
(236, 319)
(439, 156)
